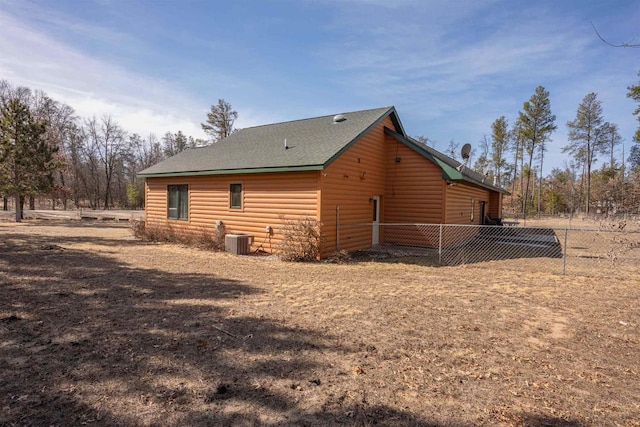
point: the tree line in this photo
(513, 158)
(50, 155)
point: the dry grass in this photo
(99, 329)
(632, 223)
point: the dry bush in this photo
(612, 224)
(155, 233)
(209, 239)
(301, 239)
(340, 257)
(138, 228)
(623, 243)
(201, 237)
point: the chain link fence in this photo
(589, 252)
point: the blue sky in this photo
(449, 67)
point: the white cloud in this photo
(93, 86)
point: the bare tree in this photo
(629, 44)
(481, 165)
(106, 139)
(60, 123)
(453, 149)
(425, 140)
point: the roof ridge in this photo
(317, 117)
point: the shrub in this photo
(138, 228)
(206, 238)
(301, 239)
(201, 237)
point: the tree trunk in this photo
(32, 203)
(18, 201)
(64, 191)
(522, 174)
(515, 176)
(540, 183)
(588, 195)
(526, 191)
(5, 203)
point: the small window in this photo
(235, 196)
(178, 202)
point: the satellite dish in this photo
(465, 151)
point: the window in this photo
(235, 196)
(178, 202)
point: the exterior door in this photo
(375, 223)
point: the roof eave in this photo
(232, 171)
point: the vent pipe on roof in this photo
(286, 147)
(339, 118)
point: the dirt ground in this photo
(97, 328)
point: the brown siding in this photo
(461, 201)
(349, 182)
(414, 194)
(414, 187)
(495, 204)
(266, 197)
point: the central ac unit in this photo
(237, 244)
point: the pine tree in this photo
(634, 93)
(587, 135)
(499, 145)
(26, 161)
(536, 123)
(220, 120)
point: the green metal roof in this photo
(312, 145)
(451, 169)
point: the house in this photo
(359, 167)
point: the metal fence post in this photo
(440, 247)
(564, 251)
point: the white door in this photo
(375, 223)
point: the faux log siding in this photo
(266, 197)
(414, 187)
(350, 184)
(459, 199)
(495, 204)
(414, 194)
(458, 204)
